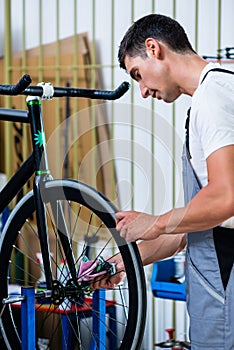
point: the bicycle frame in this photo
(36, 163)
(26, 170)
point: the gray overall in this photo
(210, 306)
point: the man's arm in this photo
(150, 251)
(162, 247)
(212, 205)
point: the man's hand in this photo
(134, 225)
(110, 282)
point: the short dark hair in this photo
(159, 27)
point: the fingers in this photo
(124, 218)
(103, 283)
(108, 282)
(123, 223)
(120, 218)
(120, 215)
(123, 231)
(133, 225)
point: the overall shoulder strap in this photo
(188, 116)
(188, 112)
(187, 147)
(217, 70)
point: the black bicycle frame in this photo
(36, 163)
(26, 170)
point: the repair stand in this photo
(28, 318)
(100, 307)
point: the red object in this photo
(170, 342)
(87, 306)
(170, 332)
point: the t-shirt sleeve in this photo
(214, 122)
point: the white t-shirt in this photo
(211, 120)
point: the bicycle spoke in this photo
(74, 231)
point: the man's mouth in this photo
(153, 94)
(157, 95)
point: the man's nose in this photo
(144, 91)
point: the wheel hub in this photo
(71, 291)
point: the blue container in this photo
(161, 281)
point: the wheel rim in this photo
(49, 316)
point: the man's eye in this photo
(138, 76)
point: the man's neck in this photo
(189, 70)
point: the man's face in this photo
(153, 77)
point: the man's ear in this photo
(152, 47)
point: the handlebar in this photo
(23, 88)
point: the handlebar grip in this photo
(112, 95)
(21, 85)
(16, 89)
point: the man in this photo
(156, 52)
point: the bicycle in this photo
(71, 217)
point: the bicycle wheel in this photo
(90, 228)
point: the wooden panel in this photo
(82, 131)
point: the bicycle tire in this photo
(92, 210)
